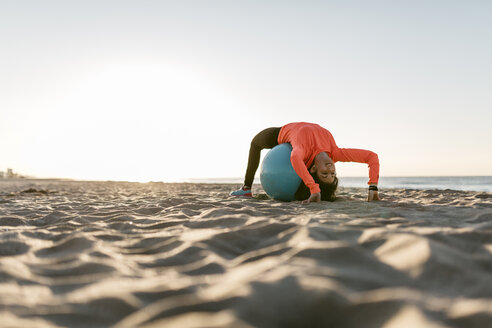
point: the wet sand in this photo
(98, 254)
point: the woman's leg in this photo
(265, 139)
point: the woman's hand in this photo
(314, 198)
(373, 195)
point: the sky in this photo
(172, 90)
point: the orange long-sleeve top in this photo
(308, 140)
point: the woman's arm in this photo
(296, 158)
(373, 193)
(362, 156)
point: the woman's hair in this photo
(327, 189)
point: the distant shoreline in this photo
(469, 183)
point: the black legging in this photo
(265, 139)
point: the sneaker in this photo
(242, 193)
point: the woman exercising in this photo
(313, 157)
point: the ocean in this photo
(469, 183)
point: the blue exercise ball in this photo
(277, 176)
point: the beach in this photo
(121, 254)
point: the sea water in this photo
(470, 183)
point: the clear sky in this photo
(167, 90)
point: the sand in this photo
(98, 254)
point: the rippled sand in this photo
(96, 254)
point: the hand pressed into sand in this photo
(314, 198)
(373, 195)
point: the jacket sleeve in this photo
(361, 156)
(296, 158)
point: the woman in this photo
(313, 157)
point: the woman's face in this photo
(324, 167)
